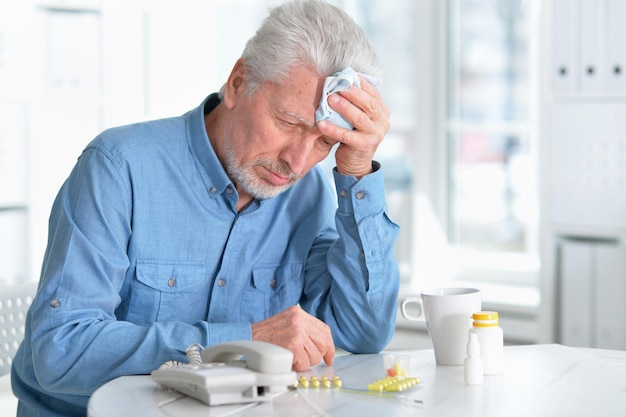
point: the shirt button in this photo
(229, 190)
(360, 195)
(213, 190)
(273, 283)
(343, 193)
(171, 282)
(221, 282)
(55, 303)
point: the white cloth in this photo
(339, 81)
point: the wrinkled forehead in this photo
(299, 94)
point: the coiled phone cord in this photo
(193, 356)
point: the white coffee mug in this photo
(448, 314)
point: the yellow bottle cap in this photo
(485, 315)
(485, 319)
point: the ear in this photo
(235, 86)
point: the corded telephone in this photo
(229, 373)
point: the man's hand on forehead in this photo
(366, 111)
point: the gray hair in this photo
(308, 33)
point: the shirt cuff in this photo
(364, 197)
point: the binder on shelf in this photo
(565, 46)
(615, 63)
(592, 47)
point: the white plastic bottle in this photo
(491, 339)
(473, 365)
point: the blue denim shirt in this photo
(147, 255)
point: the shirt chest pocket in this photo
(168, 290)
(271, 290)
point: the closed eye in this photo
(293, 118)
(327, 142)
(288, 123)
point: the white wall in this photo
(69, 69)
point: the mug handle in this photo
(405, 314)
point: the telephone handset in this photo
(233, 372)
(259, 356)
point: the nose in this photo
(298, 153)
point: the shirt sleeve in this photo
(352, 280)
(79, 342)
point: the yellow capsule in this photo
(304, 383)
(399, 370)
(375, 387)
(326, 383)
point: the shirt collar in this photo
(213, 174)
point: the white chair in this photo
(14, 302)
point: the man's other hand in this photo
(306, 336)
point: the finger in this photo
(306, 351)
(306, 336)
(352, 108)
(323, 343)
(341, 135)
(301, 361)
(312, 352)
(329, 354)
(368, 99)
(318, 341)
(367, 114)
(351, 138)
(366, 84)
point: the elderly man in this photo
(218, 225)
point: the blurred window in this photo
(492, 162)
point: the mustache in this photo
(279, 167)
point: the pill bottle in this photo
(491, 339)
(473, 365)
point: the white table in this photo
(538, 380)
